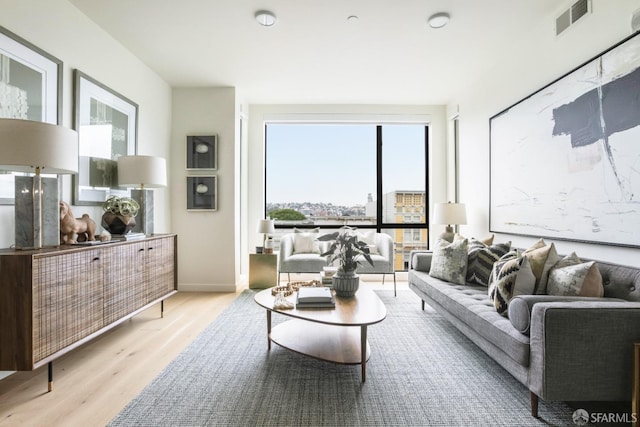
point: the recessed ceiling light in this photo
(265, 18)
(352, 18)
(438, 20)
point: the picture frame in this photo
(202, 193)
(107, 126)
(31, 89)
(563, 160)
(202, 152)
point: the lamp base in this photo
(144, 219)
(37, 212)
(447, 234)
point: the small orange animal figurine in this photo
(84, 228)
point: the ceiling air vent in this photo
(578, 10)
(571, 15)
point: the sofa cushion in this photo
(303, 263)
(305, 242)
(571, 276)
(368, 237)
(541, 257)
(481, 258)
(450, 261)
(472, 306)
(380, 264)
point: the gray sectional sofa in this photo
(560, 348)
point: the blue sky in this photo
(336, 163)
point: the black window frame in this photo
(380, 225)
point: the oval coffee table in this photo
(336, 335)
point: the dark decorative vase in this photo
(117, 224)
(346, 283)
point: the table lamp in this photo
(140, 173)
(448, 214)
(266, 227)
(37, 147)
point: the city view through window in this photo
(362, 175)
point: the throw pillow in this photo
(511, 276)
(487, 240)
(449, 261)
(571, 276)
(541, 257)
(481, 258)
(368, 237)
(306, 242)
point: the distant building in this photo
(405, 207)
(370, 207)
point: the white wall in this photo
(58, 28)
(208, 243)
(530, 61)
(259, 114)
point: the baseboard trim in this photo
(206, 287)
(5, 374)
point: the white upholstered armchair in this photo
(300, 253)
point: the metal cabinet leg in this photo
(50, 372)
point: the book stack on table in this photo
(315, 297)
(326, 275)
(325, 279)
(128, 236)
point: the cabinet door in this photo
(67, 300)
(160, 267)
(125, 287)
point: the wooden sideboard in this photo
(54, 300)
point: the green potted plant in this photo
(119, 214)
(348, 251)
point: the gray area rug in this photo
(422, 372)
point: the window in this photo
(359, 174)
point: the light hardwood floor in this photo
(94, 382)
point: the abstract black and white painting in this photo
(565, 161)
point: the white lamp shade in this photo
(26, 145)
(266, 226)
(142, 171)
(449, 213)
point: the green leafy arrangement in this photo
(124, 206)
(346, 248)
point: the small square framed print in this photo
(202, 152)
(202, 193)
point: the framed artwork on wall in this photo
(202, 193)
(30, 89)
(565, 161)
(107, 125)
(202, 152)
